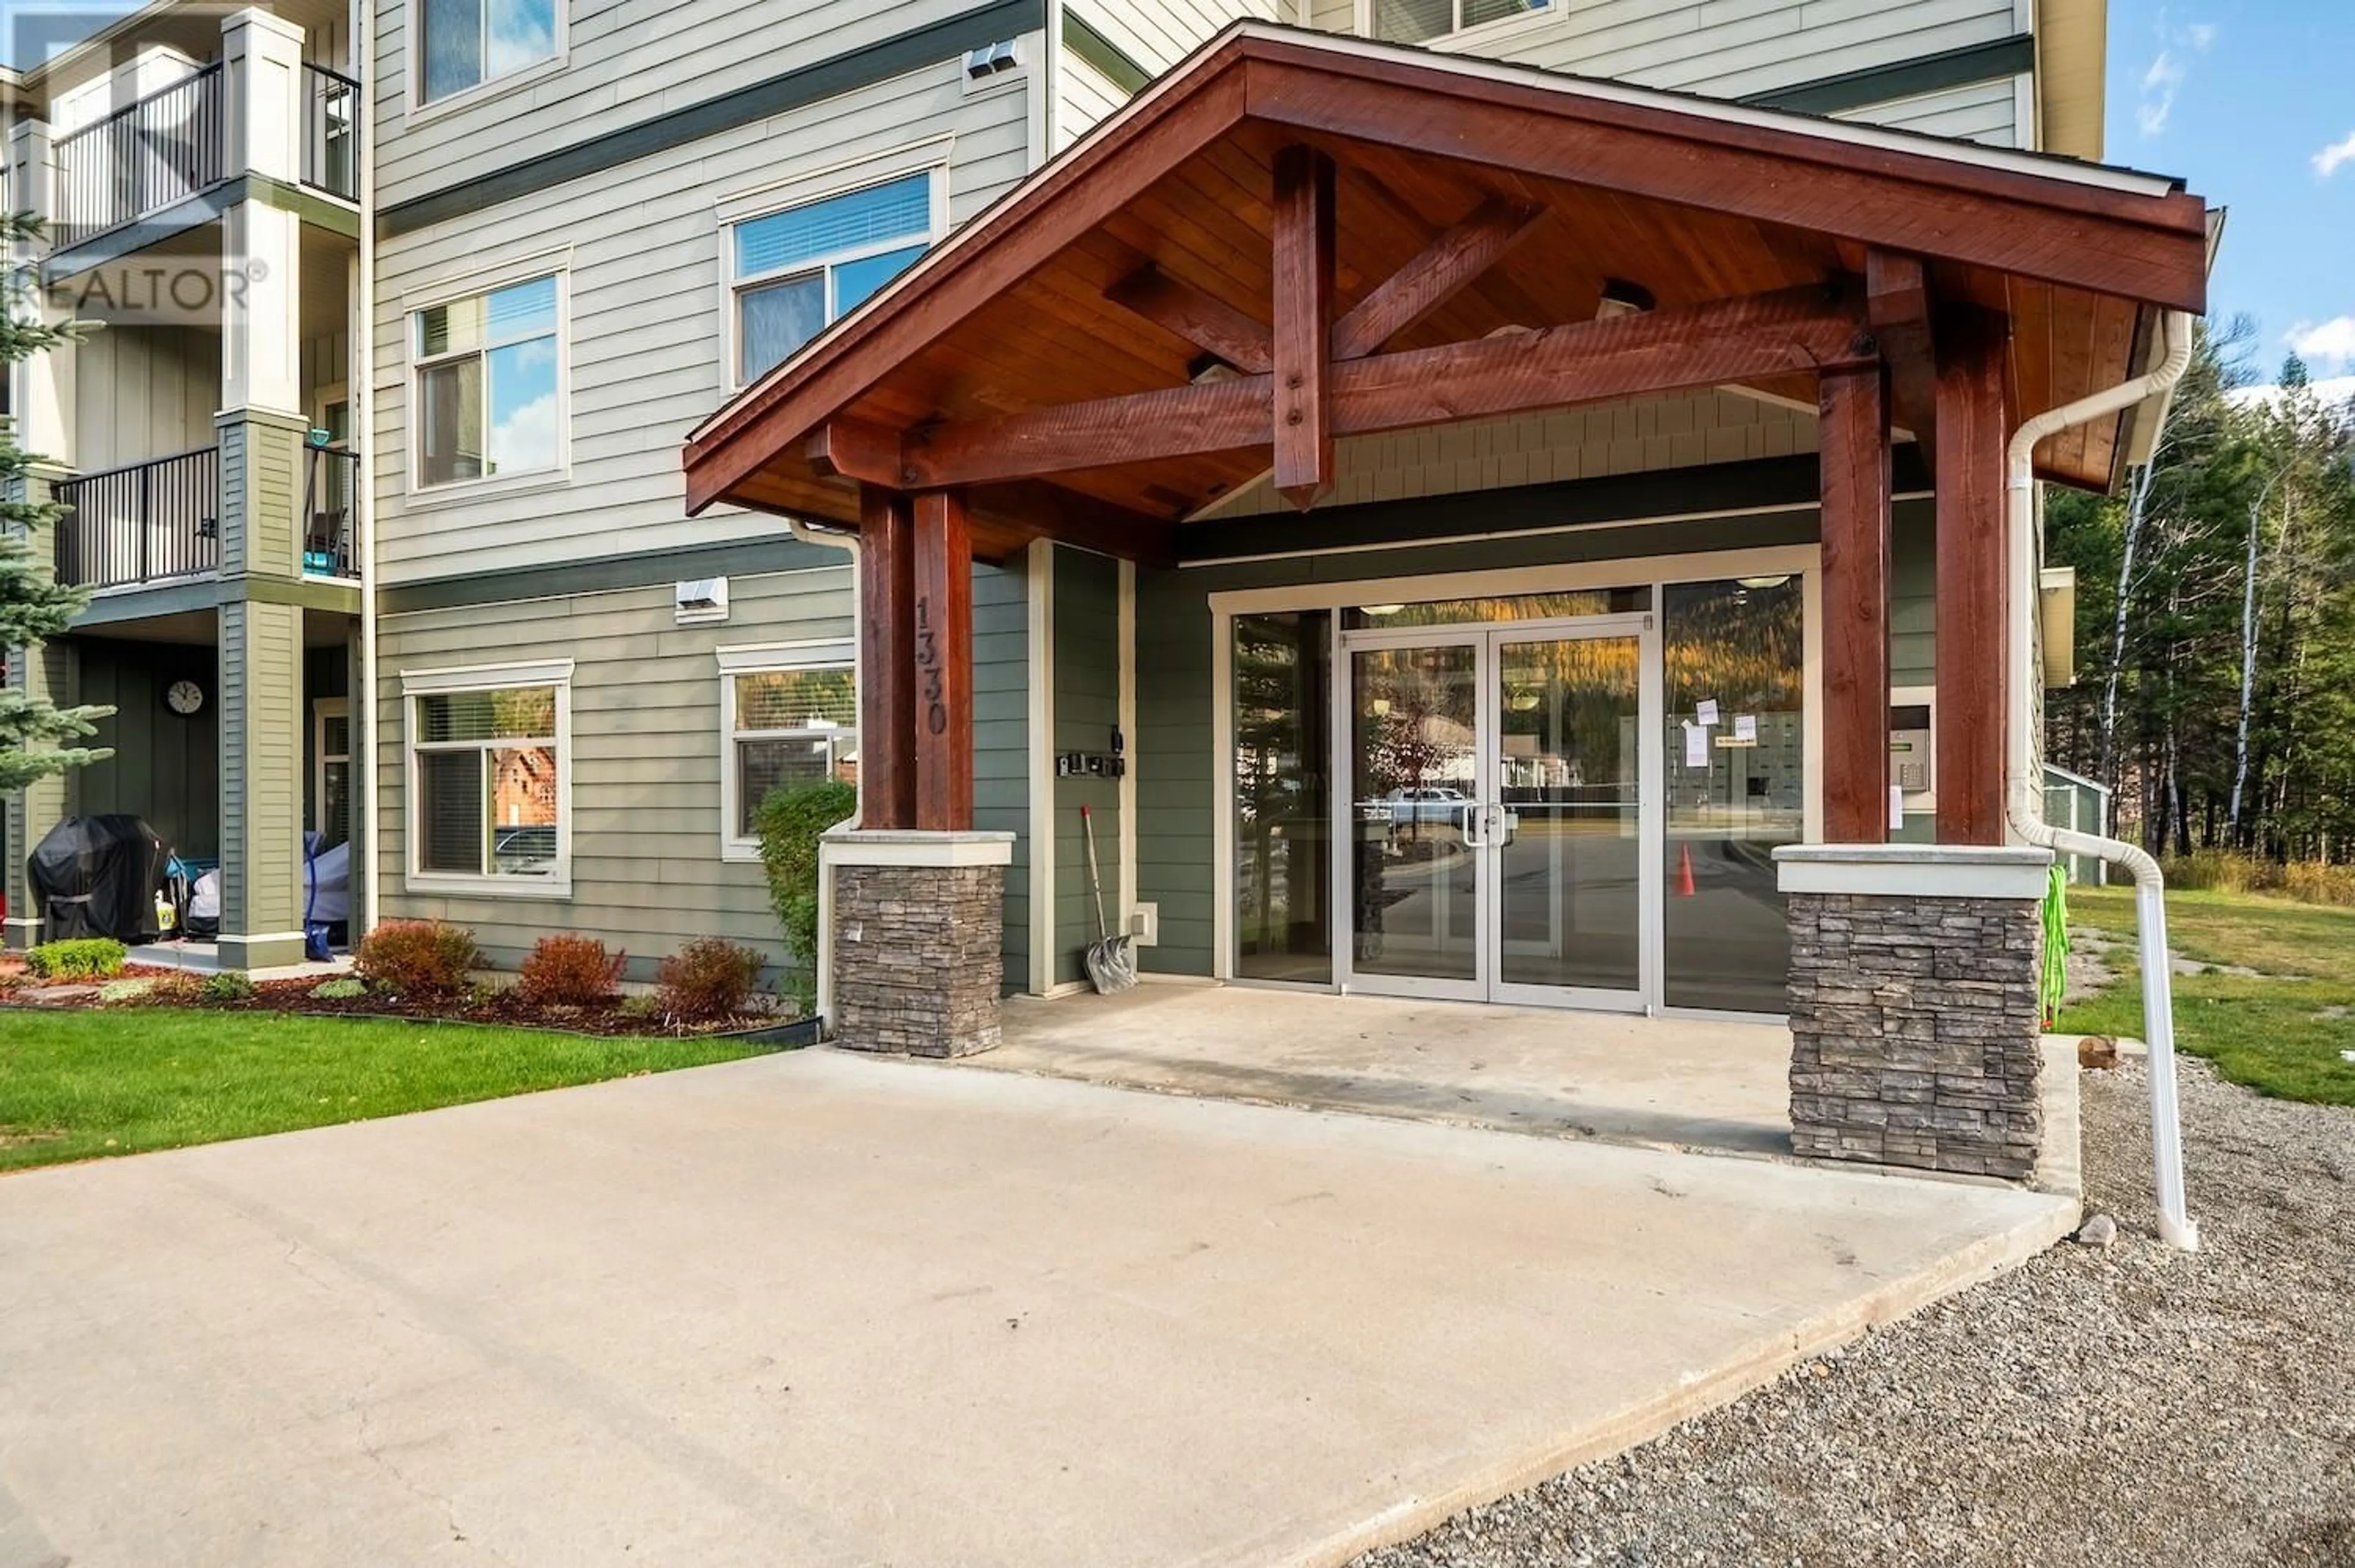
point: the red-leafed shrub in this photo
(707, 979)
(417, 958)
(565, 971)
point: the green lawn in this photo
(77, 1085)
(2279, 1032)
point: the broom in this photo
(1109, 966)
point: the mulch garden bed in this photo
(505, 1007)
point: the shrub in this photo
(76, 958)
(2224, 871)
(790, 821)
(566, 971)
(342, 990)
(174, 990)
(229, 986)
(707, 979)
(419, 958)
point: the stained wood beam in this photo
(1204, 320)
(1438, 274)
(941, 662)
(1791, 331)
(887, 688)
(1040, 508)
(854, 448)
(1304, 230)
(1972, 578)
(2152, 247)
(1852, 442)
(1898, 306)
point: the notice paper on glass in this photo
(1696, 746)
(1707, 714)
(1745, 726)
(1896, 806)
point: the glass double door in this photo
(1503, 828)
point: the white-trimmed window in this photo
(465, 43)
(489, 385)
(787, 716)
(1419, 21)
(331, 784)
(794, 270)
(489, 783)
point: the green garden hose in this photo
(2053, 981)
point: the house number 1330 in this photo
(928, 670)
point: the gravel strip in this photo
(2120, 1405)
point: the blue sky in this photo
(2249, 102)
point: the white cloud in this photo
(2326, 162)
(2330, 344)
(2335, 390)
(2165, 76)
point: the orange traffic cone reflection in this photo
(1684, 871)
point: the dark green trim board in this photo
(1931, 73)
(1085, 43)
(644, 569)
(191, 212)
(208, 593)
(809, 84)
(1762, 484)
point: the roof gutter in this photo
(2175, 1224)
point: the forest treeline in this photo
(2215, 689)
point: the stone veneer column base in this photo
(912, 924)
(1915, 1026)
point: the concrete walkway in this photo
(817, 1309)
(1672, 1083)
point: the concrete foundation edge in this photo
(1761, 1364)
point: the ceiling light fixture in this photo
(1621, 297)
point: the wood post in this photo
(1853, 441)
(1303, 324)
(1973, 580)
(943, 662)
(886, 687)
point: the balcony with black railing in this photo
(158, 150)
(331, 476)
(174, 143)
(143, 523)
(331, 132)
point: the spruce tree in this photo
(36, 735)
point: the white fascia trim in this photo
(813, 652)
(486, 887)
(1914, 871)
(1513, 581)
(896, 847)
(483, 676)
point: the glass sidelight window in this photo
(486, 769)
(1283, 810)
(1735, 722)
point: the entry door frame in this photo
(1804, 561)
(1485, 639)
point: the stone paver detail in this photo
(916, 962)
(1915, 1028)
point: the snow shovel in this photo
(1110, 968)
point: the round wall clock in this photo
(184, 696)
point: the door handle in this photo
(1474, 812)
(1507, 827)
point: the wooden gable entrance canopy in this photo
(1295, 237)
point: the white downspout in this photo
(2174, 1225)
(822, 961)
(362, 393)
